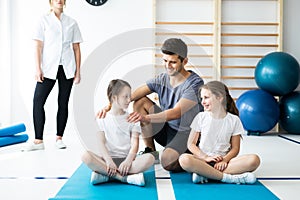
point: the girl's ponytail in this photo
(231, 107)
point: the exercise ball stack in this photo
(276, 74)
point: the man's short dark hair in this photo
(175, 46)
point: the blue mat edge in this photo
(186, 178)
(180, 182)
(62, 194)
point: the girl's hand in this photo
(111, 168)
(221, 166)
(124, 167)
(213, 159)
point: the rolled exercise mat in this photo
(13, 139)
(12, 130)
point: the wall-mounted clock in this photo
(96, 2)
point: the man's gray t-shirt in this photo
(169, 97)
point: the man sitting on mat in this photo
(169, 124)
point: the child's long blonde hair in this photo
(221, 90)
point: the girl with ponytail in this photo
(118, 142)
(219, 129)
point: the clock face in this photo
(96, 2)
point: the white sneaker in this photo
(245, 178)
(60, 145)
(33, 147)
(97, 178)
(136, 179)
(196, 178)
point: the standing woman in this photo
(57, 56)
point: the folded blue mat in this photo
(13, 139)
(184, 189)
(11, 130)
(79, 187)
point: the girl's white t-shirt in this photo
(118, 134)
(216, 133)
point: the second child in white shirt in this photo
(218, 131)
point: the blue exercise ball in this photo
(289, 118)
(277, 73)
(259, 111)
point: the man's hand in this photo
(102, 113)
(137, 117)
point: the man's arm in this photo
(140, 92)
(180, 108)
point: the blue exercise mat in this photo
(13, 139)
(12, 130)
(184, 189)
(79, 187)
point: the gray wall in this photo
(291, 27)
